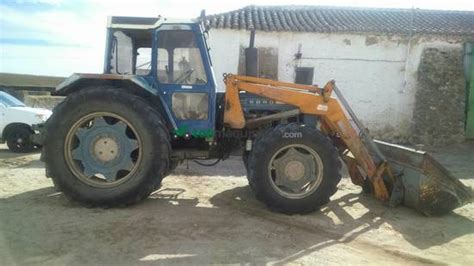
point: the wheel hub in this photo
(294, 170)
(105, 149)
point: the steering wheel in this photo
(184, 76)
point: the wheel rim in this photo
(103, 149)
(20, 140)
(295, 171)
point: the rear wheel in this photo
(18, 139)
(106, 147)
(294, 169)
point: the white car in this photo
(16, 120)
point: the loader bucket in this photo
(423, 183)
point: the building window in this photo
(304, 75)
(267, 62)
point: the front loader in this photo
(118, 134)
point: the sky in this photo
(60, 37)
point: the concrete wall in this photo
(377, 73)
(34, 96)
(39, 101)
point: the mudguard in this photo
(81, 80)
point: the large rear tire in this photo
(106, 147)
(293, 169)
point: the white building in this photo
(373, 54)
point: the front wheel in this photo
(106, 147)
(18, 140)
(294, 169)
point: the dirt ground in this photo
(209, 215)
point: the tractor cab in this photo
(172, 58)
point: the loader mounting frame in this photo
(313, 100)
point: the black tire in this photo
(18, 139)
(173, 165)
(246, 154)
(149, 126)
(245, 159)
(268, 144)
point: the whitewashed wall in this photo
(376, 73)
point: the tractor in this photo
(118, 134)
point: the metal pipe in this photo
(252, 38)
(251, 57)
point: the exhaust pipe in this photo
(251, 56)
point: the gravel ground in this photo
(209, 215)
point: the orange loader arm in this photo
(311, 100)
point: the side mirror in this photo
(205, 22)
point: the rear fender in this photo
(137, 84)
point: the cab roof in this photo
(144, 23)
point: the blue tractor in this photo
(118, 134)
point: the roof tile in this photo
(346, 19)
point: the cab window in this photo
(131, 52)
(179, 59)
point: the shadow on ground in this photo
(233, 166)
(458, 158)
(41, 226)
(5, 153)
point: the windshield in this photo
(9, 100)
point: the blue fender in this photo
(133, 82)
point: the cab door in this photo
(184, 77)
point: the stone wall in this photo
(438, 115)
(40, 101)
